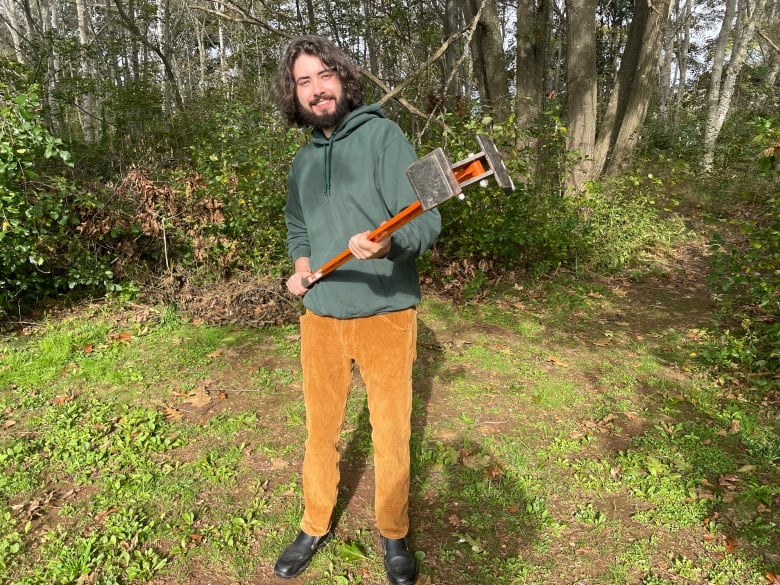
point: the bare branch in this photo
(242, 16)
(468, 32)
(771, 43)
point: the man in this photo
(348, 180)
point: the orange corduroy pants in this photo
(384, 348)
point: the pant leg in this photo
(385, 350)
(327, 378)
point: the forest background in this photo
(140, 149)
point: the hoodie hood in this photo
(351, 122)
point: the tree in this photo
(581, 85)
(738, 30)
(88, 108)
(532, 39)
(636, 80)
(487, 51)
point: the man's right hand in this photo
(295, 283)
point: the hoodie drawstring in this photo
(326, 167)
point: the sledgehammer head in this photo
(435, 180)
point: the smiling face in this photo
(319, 93)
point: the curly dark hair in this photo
(332, 56)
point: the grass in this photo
(564, 434)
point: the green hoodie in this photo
(350, 184)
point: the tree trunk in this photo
(682, 48)
(87, 100)
(53, 77)
(372, 44)
(722, 87)
(533, 40)
(487, 49)
(665, 88)
(582, 88)
(630, 97)
(453, 80)
(12, 24)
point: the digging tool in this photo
(434, 181)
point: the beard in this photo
(324, 121)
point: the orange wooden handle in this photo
(387, 228)
(466, 172)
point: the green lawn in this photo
(563, 433)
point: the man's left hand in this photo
(365, 249)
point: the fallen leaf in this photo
(730, 545)
(172, 414)
(122, 337)
(215, 354)
(494, 472)
(8, 424)
(106, 513)
(62, 399)
(199, 398)
(89, 348)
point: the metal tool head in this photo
(496, 164)
(432, 179)
(435, 180)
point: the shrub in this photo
(40, 253)
(621, 220)
(745, 278)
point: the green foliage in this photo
(621, 221)
(745, 277)
(538, 228)
(526, 229)
(243, 154)
(40, 251)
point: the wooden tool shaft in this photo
(387, 228)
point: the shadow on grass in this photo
(697, 453)
(470, 518)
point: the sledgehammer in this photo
(434, 181)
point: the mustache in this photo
(321, 96)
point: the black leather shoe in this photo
(400, 564)
(298, 555)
